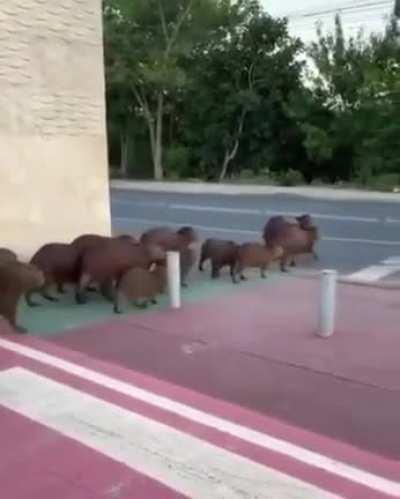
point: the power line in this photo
(347, 8)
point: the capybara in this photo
(255, 255)
(140, 286)
(106, 263)
(221, 253)
(7, 255)
(296, 238)
(86, 241)
(59, 263)
(169, 239)
(16, 279)
(172, 240)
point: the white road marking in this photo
(394, 260)
(373, 273)
(252, 211)
(252, 233)
(182, 462)
(296, 452)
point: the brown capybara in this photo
(221, 253)
(106, 264)
(296, 237)
(255, 255)
(7, 255)
(141, 286)
(172, 240)
(16, 279)
(87, 241)
(59, 263)
(169, 239)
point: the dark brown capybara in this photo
(255, 255)
(16, 279)
(141, 286)
(221, 253)
(59, 263)
(87, 241)
(107, 263)
(180, 240)
(7, 255)
(296, 236)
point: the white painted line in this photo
(390, 220)
(372, 274)
(215, 209)
(180, 461)
(394, 260)
(244, 211)
(252, 436)
(252, 233)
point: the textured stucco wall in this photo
(53, 170)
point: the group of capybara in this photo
(123, 268)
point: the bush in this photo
(289, 178)
(177, 160)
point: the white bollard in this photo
(174, 278)
(327, 307)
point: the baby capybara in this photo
(255, 255)
(59, 263)
(16, 279)
(221, 253)
(296, 237)
(140, 286)
(7, 255)
(108, 262)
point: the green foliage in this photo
(215, 88)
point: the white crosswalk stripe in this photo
(374, 273)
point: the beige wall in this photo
(53, 170)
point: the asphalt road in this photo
(355, 234)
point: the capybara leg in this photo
(232, 272)
(215, 272)
(142, 304)
(293, 263)
(283, 264)
(60, 288)
(107, 290)
(236, 270)
(154, 301)
(263, 272)
(29, 301)
(80, 295)
(117, 303)
(201, 263)
(46, 295)
(243, 277)
(19, 329)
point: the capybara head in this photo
(304, 221)
(26, 275)
(188, 235)
(156, 254)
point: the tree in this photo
(249, 67)
(146, 41)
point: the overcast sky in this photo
(370, 15)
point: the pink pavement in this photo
(256, 348)
(38, 462)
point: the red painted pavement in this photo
(256, 348)
(55, 466)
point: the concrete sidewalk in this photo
(232, 189)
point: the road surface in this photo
(355, 234)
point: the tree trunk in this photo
(157, 157)
(124, 154)
(230, 154)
